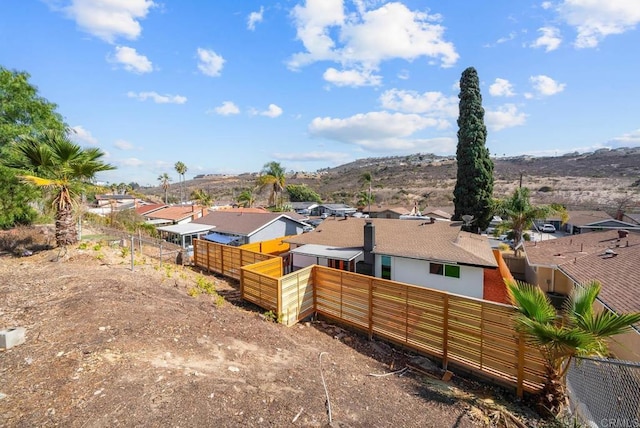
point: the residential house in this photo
(610, 257)
(436, 254)
(239, 227)
(586, 221)
(144, 209)
(183, 234)
(105, 204)
(176, 214)
(304, 208)
(386, 212)
(442, 213)
(631, 218)
(331, 210)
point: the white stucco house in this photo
(436, 255)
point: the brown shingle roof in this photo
(405, 238)
(241, 223)
(581, 218)
(585, 258)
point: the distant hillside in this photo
(602, 179)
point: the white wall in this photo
(416, 272)
(277, 229)
(300, 261)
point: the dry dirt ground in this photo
(106, 346)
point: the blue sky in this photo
(226, 86)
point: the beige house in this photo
(611, 257)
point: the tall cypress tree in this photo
(474, 185)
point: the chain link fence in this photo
(140, 244)
(605, 392)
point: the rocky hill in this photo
(604, 179)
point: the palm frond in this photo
(580, 302)
(607, 323)
(531, 302)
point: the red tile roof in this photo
(143, 209)
(177, 212)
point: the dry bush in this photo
(23, 239)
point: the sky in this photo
(227, 86)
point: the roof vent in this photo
(623, 234)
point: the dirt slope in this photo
(109, 347)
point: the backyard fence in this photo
(605, 391)
(473, 334)
(140, 244)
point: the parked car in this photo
(548, 228)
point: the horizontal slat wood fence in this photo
(474, 334)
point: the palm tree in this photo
(202, 197)
(273, 174)
(367, 179)
(246, 198)
(181, 169)
(164, 180)
(520, 213)
(51, 161)
(364, 198)
(578, 331)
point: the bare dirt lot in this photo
(106, 346)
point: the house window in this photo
(340, 264)
(436, 268)
(385, 262)
(452, 271)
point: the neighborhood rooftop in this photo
(439, 241)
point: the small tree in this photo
(473, 192)
(302, 193)
(520, 213)
(202, 197)
(165, 180)
(247, 198)
(579, 331)
(367, 179)
(273, 176)
(52, 162)
(181, 169)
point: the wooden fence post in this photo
(279, 299)
(371, 309)
(521, 349)
(445, 332)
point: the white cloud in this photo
(273, 111)
(382, 131)
(506, 116)
(227, 108)
(131, 60)
(130, 162)
(254, 17)
(546, 5)
(501, 88)
(404, 74)
(109, 19)
(546, 86)
(210, 63)
(596, 19)
(363, 39)
(123, 145)
(351, 77)
(432, 104)
(549, 39)
(81, 135)
(157, 98)
(631, 139)
(512, 35)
